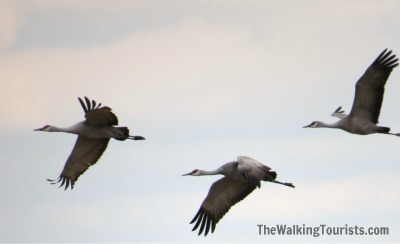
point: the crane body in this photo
(94, 133)
(368, 99)
(241, 178)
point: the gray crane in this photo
(241, 178)
(364, 114)
(94, 133)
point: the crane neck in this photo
(326, 125)
(212, 172)
(62, 129)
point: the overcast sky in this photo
(204, 82)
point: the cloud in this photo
(193, 68)
(10, 21)
(168, 70)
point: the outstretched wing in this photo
(371, 87)
(96, 115)
(86, 152)
(222, 195)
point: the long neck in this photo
(212, 172)
(60, 129)
(326, 125)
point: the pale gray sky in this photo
(204, 82)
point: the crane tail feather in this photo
(382, 129)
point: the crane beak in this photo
(187, 174)
(40, 129)
(307, 126)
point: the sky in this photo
(204, 82)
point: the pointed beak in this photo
(307, 126)
(187, 174)
(40, 129)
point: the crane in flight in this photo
(241, 178)
(94, 133)
(370, 88)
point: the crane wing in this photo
(96, 115)
(254, 171)
(222, 195)
(86, 152)
(371, 86)
(339, 113)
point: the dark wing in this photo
(222, 195)
(371, 87)
(96, 115)
(86, 152)
(254, 171)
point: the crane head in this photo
(44, 128)
(195, 172)
(314, 124)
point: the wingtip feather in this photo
(338, 109)
(198, 221)
(66, 182)
(207, 226)
(88, 103)
(386, 60)
(203, 223)
(83, 105)
(195, 217)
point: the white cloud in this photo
(193, 69)
(10, 21)
(169, 71)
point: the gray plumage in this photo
(241, 178)
(94, 133)
(370, 88)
